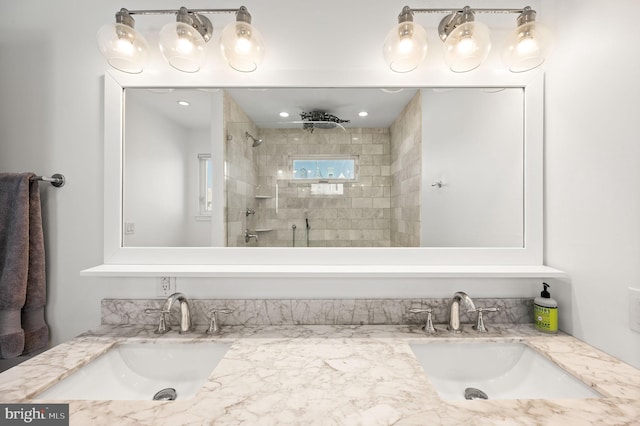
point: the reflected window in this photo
(335, 168)
(205, 183)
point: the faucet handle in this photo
(214, 327)
(221, 310)
(162, 324)
(480, 327)
(428, 326)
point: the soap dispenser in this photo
(545, 311)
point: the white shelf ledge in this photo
(355, 271)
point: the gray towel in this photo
(22, 271)
(36, 330)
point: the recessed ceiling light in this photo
(184, 103)
(284, 114)
(363, 113)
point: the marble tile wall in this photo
(316, 311)
(380, 209)
(241, 173)
(357, 217)
(406, 172)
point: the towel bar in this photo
(56, 180)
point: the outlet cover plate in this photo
(165, 286)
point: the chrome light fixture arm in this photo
(176, 11)
(192, 17)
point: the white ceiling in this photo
(263, 106)
(383, 106)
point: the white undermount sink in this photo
(499, 370)
(137, 371)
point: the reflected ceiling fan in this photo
(320, 120)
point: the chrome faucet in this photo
(248, 236)
(185, 314)
(454, 310)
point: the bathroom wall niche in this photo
(266, 191)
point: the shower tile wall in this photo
(241, 172)
(406, 172)
(359, 217)
(380, 209)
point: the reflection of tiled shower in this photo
(241, 173)
(380, 209)
(359, 215)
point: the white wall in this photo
(156, 185)
(51, 121)
(592, 170)
(476, 206)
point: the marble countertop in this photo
(332, 375)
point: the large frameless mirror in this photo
(356, 167)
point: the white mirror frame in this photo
(231, 259)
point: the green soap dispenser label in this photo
(546, 318)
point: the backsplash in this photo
(315, 311)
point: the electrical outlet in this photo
(165, 286)
(634, 309)
(129, 228)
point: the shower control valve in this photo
(248, 236)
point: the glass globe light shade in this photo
(242, 46)
(123, 47)
(405, 46)
(527, 47)
(182, 46)
(467, 46)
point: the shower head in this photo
(256, 142)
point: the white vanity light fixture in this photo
(405, 46)
(528, 45)
(183, 42)
(241, 43)
(466, 42)
(122, 46)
